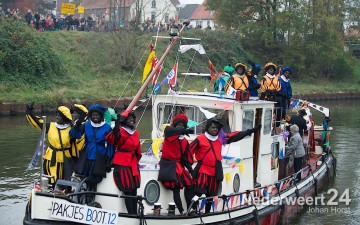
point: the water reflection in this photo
(18, 142)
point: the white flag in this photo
(207, 114)
(199, 48)
(231, 91)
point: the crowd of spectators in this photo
(51, 22)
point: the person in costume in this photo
(239, 81)
(252, 77)
(176, 147)
(270, 84)
(98, 153)
(78, 112)
(286, 91)
(207, 150)
(270, 89)
(126, 140)
(219, 86)
(57, 159)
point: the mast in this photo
(149, 78)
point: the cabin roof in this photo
(206, 98)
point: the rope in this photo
(127, 84)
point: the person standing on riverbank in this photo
(98, 153)
(57, 159)
(126, 140)
(176, 148)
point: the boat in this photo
(256, 188)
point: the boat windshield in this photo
(166, 113)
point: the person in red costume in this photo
(176, 147)
(126, 140)
(207, 149)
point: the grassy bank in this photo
(92, 69)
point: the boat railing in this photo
(261, 194)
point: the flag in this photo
(266, 194)
(154, 63)
(171, 76)
(227, 177)
(207, 113)
(241, 167)
(231, 91)
(192, 123)
(281, 155)
(213, 74)
(156, 144)
(37, 153)
(198, 47)
(202, 204)
(148, 64)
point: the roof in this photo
(102, 4)
(201, 13)
(175, 2)
(187, 11)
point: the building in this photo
(154, 10)
(198, 15)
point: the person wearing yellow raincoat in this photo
(57, 159)
(79, 113)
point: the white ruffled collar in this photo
(181, 137)
(270, 76)
(97, 124)
(129, 130)
(284, 78)
(210, 137)
(62, 126)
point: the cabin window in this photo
(274, 155)
(221, 115)
(267, 121)
(166, 113)
(248, 120)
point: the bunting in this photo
(202, 205)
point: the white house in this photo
(155, 10)
(198, 15)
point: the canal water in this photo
(18, 142)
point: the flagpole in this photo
(42, 146)
(149, 78)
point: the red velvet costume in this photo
(126, 159)
(206, 182)
(172, 150)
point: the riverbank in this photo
(20, 108)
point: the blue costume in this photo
(286, 91)
(253, 84)
(96, 151)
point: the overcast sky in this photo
(191, 1)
